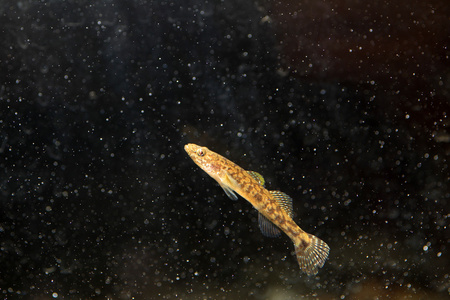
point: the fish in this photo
(274, 207)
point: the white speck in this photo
(55, 295)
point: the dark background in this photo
(341, 104)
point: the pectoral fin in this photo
(230, 193)
(267, 228)
(227, 183)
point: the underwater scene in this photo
(224, 149)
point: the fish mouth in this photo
(190, 148)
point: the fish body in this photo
(274, 207)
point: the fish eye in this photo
(200, 152)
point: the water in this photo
(344, 107)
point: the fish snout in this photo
(190, 148)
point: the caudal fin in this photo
(311, 256)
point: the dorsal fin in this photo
(258, 177)
(267, 228)
(284, 201)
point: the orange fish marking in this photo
(275, 207)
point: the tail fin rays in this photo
(312, 256)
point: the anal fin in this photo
(268, 228)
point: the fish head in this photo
(204, 158)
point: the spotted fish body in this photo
(275, 207)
